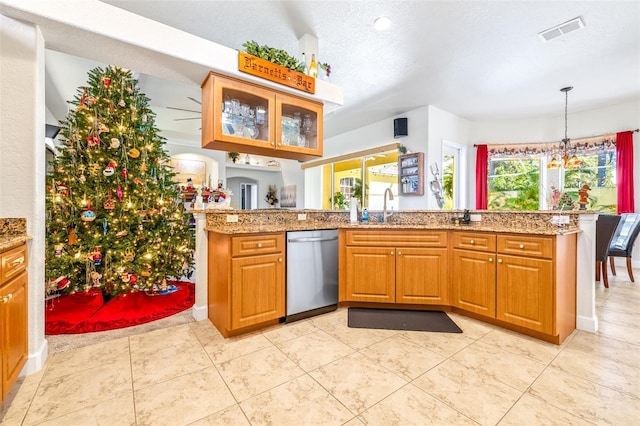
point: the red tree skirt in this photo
(87, 312)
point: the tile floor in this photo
(320, 372)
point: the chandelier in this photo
(563, 158)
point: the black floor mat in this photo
(396, 319)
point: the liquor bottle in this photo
(313, 67)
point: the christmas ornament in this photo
(91, 100)
(95, 278)
(137, 181)
(119, 193)
(122, 233)
(144, 118)
(133, 153)
(73, 238)
(129, 255)
(102, 128)
(115, 143)
(88, 215)
(143, 167)
(110, 169)
(58, 250)
(62, 189)
(96, 256)
(84, 96)
(110, 203)
(93, 140)
(94, 168)
(82, 178)
(104, 227)
(125, 277)
(107, 81)
(122, 103)
(61, 283)
(133, 278)
(124, 173)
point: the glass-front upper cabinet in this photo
(299, 124)
(245, 117)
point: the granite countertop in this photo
(13, 232)
(278, 220)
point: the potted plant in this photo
(277, 56)
(233, 156)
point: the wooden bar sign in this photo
(273, 72)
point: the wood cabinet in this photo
(473, 272)
(249, 118)
(411, 174)
(522, 280)
(13, 315)
(395, 267)
(246, 281)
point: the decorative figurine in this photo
(583, 193)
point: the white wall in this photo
(22, 159)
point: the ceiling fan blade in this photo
(183, 119)
(194, 100)
(183, 109)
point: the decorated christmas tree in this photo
(114, 217)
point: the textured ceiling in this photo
(477, 59)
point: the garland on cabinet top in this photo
(114, 220)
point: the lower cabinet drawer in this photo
(538, 246)
(257, 244)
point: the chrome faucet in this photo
(385, 215)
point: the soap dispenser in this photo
(365, 216)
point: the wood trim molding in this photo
(350, 156)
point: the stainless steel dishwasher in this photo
(312, 273)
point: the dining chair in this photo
(623, 240)
(605, 228)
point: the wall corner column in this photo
(200, 309)
(586, 318)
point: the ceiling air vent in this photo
(562, 29)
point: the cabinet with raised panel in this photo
(396, 267)
(13, 315)
(245, 117)
(246, 280)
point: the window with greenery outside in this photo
(514, 184)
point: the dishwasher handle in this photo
(311, 239)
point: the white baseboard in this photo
(200, 312)
(589, 324)
(36, 360)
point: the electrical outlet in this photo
(560, 220)
(231, 218)
(475, 217)
(302, 216)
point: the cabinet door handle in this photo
(259, 245)
(273, 144)
(472, 242)
(18, 261)
(399, 253)
(391, 253)
(521, 245)
(491, 260)
(7, 298)
(280, 259)
(499, 260)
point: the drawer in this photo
(13, 262)
(479, 241)
(522, 245)
(256, 244)
(404, 238)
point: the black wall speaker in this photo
(400, 128)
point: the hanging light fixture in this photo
(568, 161)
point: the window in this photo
(362, 180)
(534, 177)
(514, 184)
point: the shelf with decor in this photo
(411, 174)
(246, 117)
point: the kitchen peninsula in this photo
(501, 247)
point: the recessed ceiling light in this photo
(382, 23)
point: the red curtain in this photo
(482, 177)
(624, 172)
